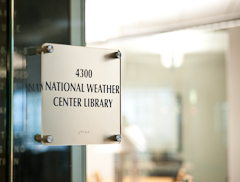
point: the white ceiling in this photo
(109, 19)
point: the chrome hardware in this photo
(45, 139)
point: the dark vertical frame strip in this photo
(83, 43)
(3, 91)
(77, 37)
(10, 45)
(82, 19)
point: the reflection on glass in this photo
(144, 108)
(3, 90)
(49, 22)
(173, 110)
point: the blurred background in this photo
(174, 88)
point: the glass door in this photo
(35, 23)
(3, 90)
(174, 110)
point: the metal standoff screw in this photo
(118, 138)
(37, 138)
(48, 49)
(118, 54)
(48, 138)
(45, 139)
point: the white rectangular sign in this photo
(81, 95)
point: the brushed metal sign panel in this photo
(81, 95)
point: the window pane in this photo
(173, 110)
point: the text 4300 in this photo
(84, 73)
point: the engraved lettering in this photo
(3, 13)
(2, 134)
(97, 102)
(2, 50)
(2, 161)
(16, 161)
(62, 101)
(54, 101)
(4, 27)
(19, 149)
(18, 28)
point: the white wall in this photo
(233, 76)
